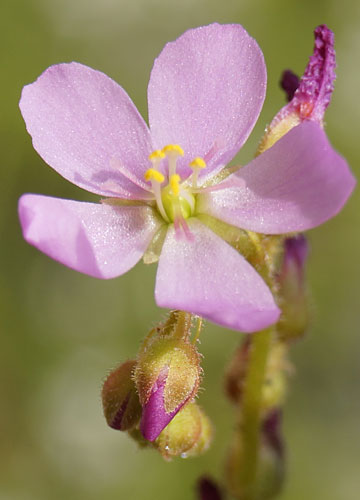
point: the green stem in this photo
(251, 410)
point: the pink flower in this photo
(205, 93)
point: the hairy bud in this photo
(121, 404)
(188, 434)
(293, 298)
(167, 373)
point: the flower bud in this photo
(167, 374)
(289, 83)
(271, 471)
(312, 96)
(121, 404)
(236, 372)
(188, 434)
(293, 298)
(274, 386)
(270, 464)
(204, 440)
(207, 489)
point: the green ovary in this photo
(177, 206)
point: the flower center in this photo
(175, 201)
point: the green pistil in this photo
(177, 205)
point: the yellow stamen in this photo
(198, 163)
(154, 175)
(158, 154)
(173, 149)
(156, 178)
(174, 183)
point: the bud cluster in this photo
(153, 396)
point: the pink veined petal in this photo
(99, 240)
(81, 123)
(206, 276)
(297, 184)
(205, 93)
(154, 416)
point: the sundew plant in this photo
(228, 241)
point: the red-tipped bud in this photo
(120, 400)
(167, 374)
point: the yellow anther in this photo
(154, 175)
(158, 154)
(171, 149)
(198, 163)
(174, 183)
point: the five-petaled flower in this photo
(205, 93)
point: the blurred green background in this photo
(61, 331)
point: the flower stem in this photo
(251, 410)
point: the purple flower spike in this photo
(317, 84)
(157, 179)
(310, 96)
(154, 417)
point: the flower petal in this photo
(154, 416)
(206, 276)
(100, 240)
(81, 121)
(206, 91)
(297, 184)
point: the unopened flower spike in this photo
(167, 373)
(86, 127)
